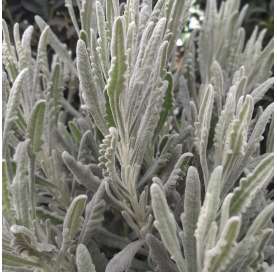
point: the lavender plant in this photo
(161, 167)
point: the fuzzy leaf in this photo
(217, 258)
(87, 14)
(17, 261)
(251, 184)
(225, 212)
(13, 104)
(208, 212)
(81, 172)
(88, 87)
(34, 133)
(203, 129)
(166, 225)
(260, 126)
(225, 118)
(94, 214)
(103, 43)
(35, 126)
(59, 48)
(41, 66)
(236, 140)
(117, 74)
(167, 104)
(259, 92)
(72, 220)
(270, 137)
(122, 261)
(159, 254)
(149, 122)
(189, 218)
(109, 115)
(20, 185)
(83, 259)
(75, 132)
(6, 198)
(26, 240)
(261, 221)
(53, 101)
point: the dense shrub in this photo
(124, 159)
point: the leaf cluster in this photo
(163, 167)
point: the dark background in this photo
(54, 12)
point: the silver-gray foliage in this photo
(163, 167)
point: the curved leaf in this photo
(122, 261)
(35, 126)
(72, 220)
(83, 259)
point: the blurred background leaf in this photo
(54, 12)
(40, 7)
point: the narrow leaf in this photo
(88, 87)
(72, 220)
(166, 225)
(251, 185)
(117, 74)
(189, 218)
(208, 212)
(81, 172)
(35, 126)
(218, 257)
(122, 261)
(83, 259)
(12, 106)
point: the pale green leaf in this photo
(12, 106)
(72, 220)
(251, 184)
(166, 225)
(83, 259)
(35, 126)
(88, 87)
(118, 72)
(189, 218)
(208, 211)
(217, 258)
